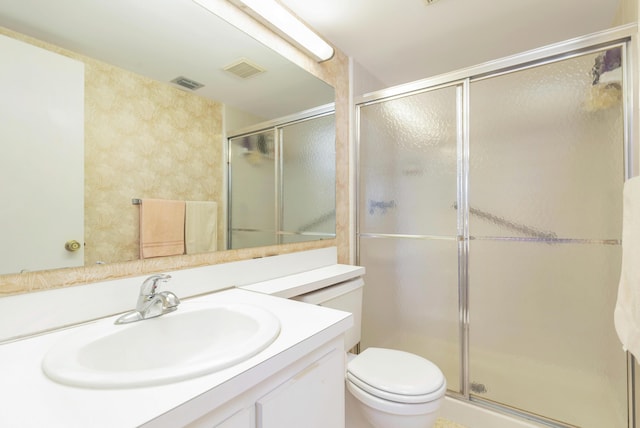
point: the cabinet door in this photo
(242, 419)
(313, 398)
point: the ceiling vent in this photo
(187, 83)
(244, 69)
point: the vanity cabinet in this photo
(309, 393)
(297, 381)
(312, 398)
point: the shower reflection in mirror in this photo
(282, 181)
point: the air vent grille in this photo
(244, 69)
(187, 83)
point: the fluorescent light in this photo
(283, 20)
(274, 15)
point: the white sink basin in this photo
(194, 340)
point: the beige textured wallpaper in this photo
(143, 139)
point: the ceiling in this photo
(165, 39)
(399, 41)
(391, 41)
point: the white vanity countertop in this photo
(305, 282)
(30, 399)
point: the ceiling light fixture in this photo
(287, 25)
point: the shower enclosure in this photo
(282, 182)
(489, 222)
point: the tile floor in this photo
(444, 423)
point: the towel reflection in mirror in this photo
(171, 227)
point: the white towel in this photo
(627, 312)
(201, 227)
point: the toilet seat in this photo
(396, 376)
(391, 407)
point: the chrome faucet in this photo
(151, 304)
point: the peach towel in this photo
(161, 228)
(201, 227)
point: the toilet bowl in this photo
(393, 389)
(385, 388)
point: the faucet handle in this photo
(150, 284)
(149, 303)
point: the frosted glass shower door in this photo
(252, 203)
(308, 191)
(408, 226)
(545, 184)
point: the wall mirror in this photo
(148, 132)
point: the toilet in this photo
(385, 388)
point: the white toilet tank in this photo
(345, 296)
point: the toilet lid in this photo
(396, 375)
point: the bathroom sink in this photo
(194, 340)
